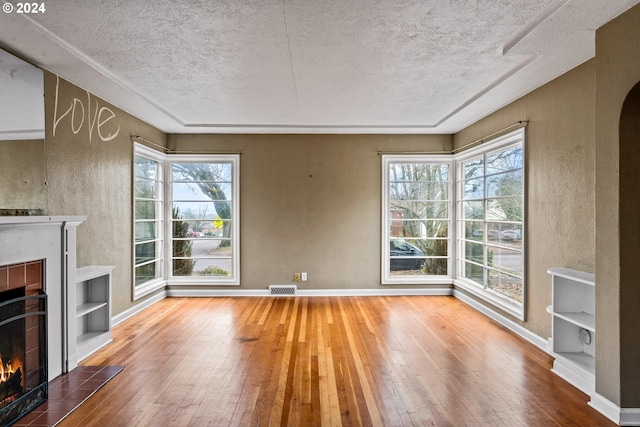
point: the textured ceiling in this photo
(401, 66)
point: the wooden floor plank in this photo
(326, 361)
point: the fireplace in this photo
(23, 341)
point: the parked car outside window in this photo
(404, 256)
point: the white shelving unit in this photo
(93, 309)
(573, 325)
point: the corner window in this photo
(416, 219)
(204, 219)
(148, 227)
(490, 212)
(484, 254)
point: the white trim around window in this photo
(484, 243)
(495, 272)
(204, 191)
(212, 235)
(148, 213)
(417, 219)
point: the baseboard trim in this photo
(534, 339)
(309, 292)
(620, 416)
(121, 317)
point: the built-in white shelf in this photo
(573, 326)
(93, 309)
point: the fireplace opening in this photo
(23, 372)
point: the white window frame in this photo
(234, 277)
(512, 139)
(517, 137)
(387, 277)
(152, 285)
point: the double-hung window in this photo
(417, 219)
(148, 227)
(204, 236)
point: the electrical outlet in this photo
(296, 277)
(303, 277)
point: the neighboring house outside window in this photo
(416, 219)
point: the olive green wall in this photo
(617, 287)
(560, 159)
(310, 203)
(22, 174)
(89, 168)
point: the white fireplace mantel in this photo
(52, 239)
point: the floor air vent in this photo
(282, 289)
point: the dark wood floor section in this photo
(326, 361)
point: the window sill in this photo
(503, 304)
(417, 280)
(147, 288)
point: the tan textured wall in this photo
(89, 170)
(617, 316)
(560, 159)
(310, 203)
(22, 174)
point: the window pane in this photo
(473, 168)
(207, 191)
(145, 168)
(202, 248)
(505, 284)
(474, 189)
(415, 209)
(418, 191)
(146, 189)
(506, 260)
(146, 252)
(505, 184)
(474, 230)
(473, 210)
(474, 272)
(505, 160)
(203, 210)
(505, 234)
(147, 209)
(202, 229)
(474, 252)
(202, 267)
(422, 228)
(412, 172)
(147, 272)
(505, 209)
(202, 172)
(146, 230)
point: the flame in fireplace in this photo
(6, 370)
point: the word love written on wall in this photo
(97, 120)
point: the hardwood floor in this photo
(326, 361)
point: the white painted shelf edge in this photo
(92, 271)
(578, 276)
(584, 320)
(90, 307)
